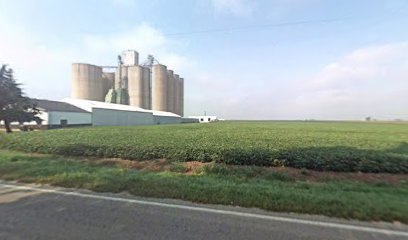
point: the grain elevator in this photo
(149, 85)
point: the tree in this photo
(14, 105)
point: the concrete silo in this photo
(170, 91)
(124, 77)
(181, 104)
(108, 81)
(87, 82)
(121, 77)
(136, 86)
(118, 78)
(160, 87)
(176, 104)
(121, 85)
(147, 88)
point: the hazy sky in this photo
(350, 59)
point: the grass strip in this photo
(342, 199)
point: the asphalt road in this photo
(32, 212)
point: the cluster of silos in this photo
(168, 92)
(130, 84)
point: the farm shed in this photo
(161, 117)
(60, 114)
(55, 114)
(120, 117)
(205, 119)
(109, 114)
(79, 112)
(189, 120)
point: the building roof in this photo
(202, 116)
(87, 105)
(55, 106)
(161, 113)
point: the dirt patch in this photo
(193, 166)
(316, 176)
(157, 165)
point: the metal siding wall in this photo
(166, 120)
(44, 117)
(189, 120)
(110, 117)
(54, 118)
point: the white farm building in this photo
(61, 114)
(205, 119)
(79, 112)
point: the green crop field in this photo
(334, 146)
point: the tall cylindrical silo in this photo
(121, 77)
(176, 104)
(87, 82)
(121, 85)
(147, 89)
(108, 81)
(181, 97)
(125, 77)
(160, 87)
(135, 86)
(170, 91)
(118, 78)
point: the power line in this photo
(255, 27)
(274, 25)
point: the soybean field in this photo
(324, 146)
